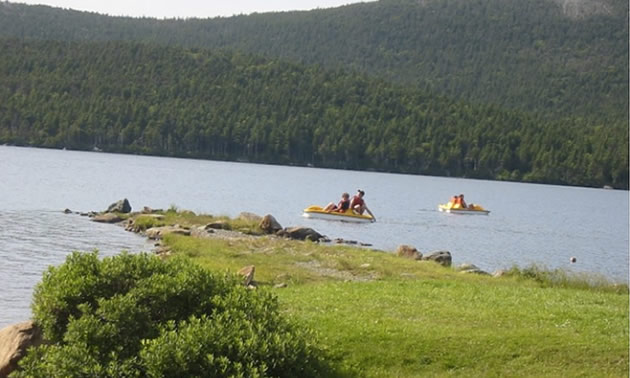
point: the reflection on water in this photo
(541, 224)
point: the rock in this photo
(14, 341)
(218, 225)
(499, 273)
(300, 233)
(340, 241)
(466, 266)
(159, 232)
(269, 224)
(250, 217)
(138, 223)
(441, 257)
(67, 211)
(476, 271)
(248, 273)
(162, 251)
(281, 285)
(366, 265)
(129, 226)
(201, 232)
(471, 268)
(121, 206)
(154, 216)
(107, 218)
(409, 252)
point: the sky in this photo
(187, 8)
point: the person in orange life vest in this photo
(453, 200)
(358, 204)
(342, 206)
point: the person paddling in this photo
(359, 206)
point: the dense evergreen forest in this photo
(144, 98)
(551, 57)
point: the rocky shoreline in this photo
(267, 223)
(17, 338)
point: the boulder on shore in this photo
(106, 218)
(408, 251)
(269, 224)
(250, 217)
(248, 274)
(156, 233)
(441, 257)
(218, 225)
(470, 268)
(121, 206)
(301, 233)
(14, 341)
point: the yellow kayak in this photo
(456, 209)
(317, 212)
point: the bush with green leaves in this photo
(138, 316)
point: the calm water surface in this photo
(541, 224)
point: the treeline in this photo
(139, 98)
(553, 58)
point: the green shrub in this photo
(135, 315)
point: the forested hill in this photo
(141, 98)
(556, 58)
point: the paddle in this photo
(369, 212)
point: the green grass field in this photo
(384, 316)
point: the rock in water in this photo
(107, 218)
(121, 206)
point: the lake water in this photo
(528, 224)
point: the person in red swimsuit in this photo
(358, 204)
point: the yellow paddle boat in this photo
(457, 209)
(317, 212)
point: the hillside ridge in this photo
(555, 58)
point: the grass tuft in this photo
(565, 279)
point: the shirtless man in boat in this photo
(461, 202)
(358, 204)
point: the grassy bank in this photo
(386, 316)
